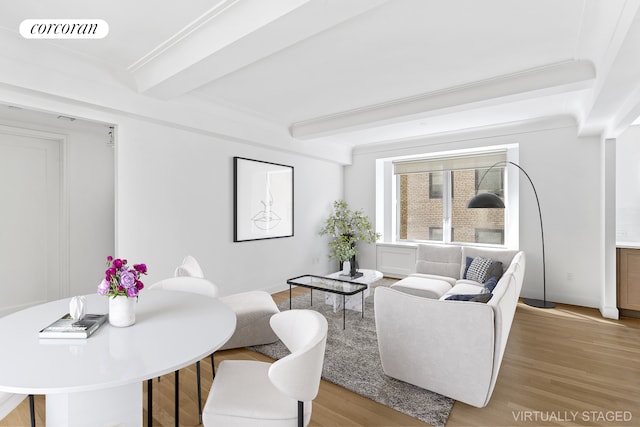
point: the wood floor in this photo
(563, 366)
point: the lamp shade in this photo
(486, 200)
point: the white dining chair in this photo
(10, 401)
(253, 310)
(254, 393)
(194, 285)
(189, 267)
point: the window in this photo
(436, 182)
(428, 210)
(435, 185)
(435, 233)
(419, 212)
(468, 222)
(491, 236)
(490, 180)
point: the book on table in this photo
(68, 327)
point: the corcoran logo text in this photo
(64, 28)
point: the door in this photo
(30, 219)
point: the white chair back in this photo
(189, 267)
(194, 285)
(304, 333)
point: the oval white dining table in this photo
(98, 381)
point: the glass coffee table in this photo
(352, 301)
(326, 284)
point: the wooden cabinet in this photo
(628, 266)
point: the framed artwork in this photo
(262, 200)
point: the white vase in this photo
(346, 268)
(122, 311)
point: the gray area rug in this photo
(352, 361)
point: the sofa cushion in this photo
(450, 280)
(422, 287)
(465, 287)
(471, 297)
(503, 255)
(472, 283)
(441, 260)
(482, 269)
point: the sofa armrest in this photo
(443, 346)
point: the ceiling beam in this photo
(233, 35)
(615, 102)
(562, 77)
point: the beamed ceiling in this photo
(362, 71)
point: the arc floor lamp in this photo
(490, 200)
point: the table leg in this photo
(150, 402)
(177, 399)
(289, 297)
(311, 297)
(32, 410)
(344, 311)
(362, 304)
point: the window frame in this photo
(386, 191)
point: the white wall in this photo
(628, 186)
(166, 146)
(567, 173)
(175, 197)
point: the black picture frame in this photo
(262, 200)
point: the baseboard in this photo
(274, 289)
(610, 312)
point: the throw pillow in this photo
(495, 270)
(491, 284)
(482, 297)
(466, 268)
(471, 297)
(481, 269)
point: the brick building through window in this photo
(432, 205)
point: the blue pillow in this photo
(466, 268)
(491, 284)
(471, 297)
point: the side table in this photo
(352, 302)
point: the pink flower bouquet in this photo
(120, 279)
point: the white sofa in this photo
(453, 348)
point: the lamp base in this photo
(539, 303)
